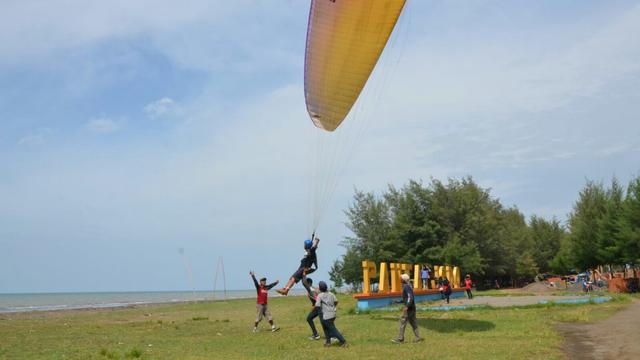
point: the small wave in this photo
(12, 309)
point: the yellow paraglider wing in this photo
(344, 41)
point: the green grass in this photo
(222, 330)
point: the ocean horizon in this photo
(52, 301)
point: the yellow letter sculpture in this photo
(395, 277)
(383, 285)
(368, 272)
(417, 283)
(389, 276)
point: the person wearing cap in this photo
(261, 303)
(328, 302)
(408, 311)
(308, 264)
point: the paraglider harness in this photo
(305, 266)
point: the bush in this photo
(134, 353)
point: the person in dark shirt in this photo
(312, 294)
(440, 287)
(261, 303)
(446, 289)
(308, 264)
(408, 311)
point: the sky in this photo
(130, 131)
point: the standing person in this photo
(328, 302)
(408, 311)
(312, 293)
(467, 286)
(424, 275)
(428, 276)
(308, 264)
(440, 288)
(446, 289)
(261, 303)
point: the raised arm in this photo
(316, 240)
(255, 282)
(272, 284)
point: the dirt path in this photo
(506, 301)
(613, 338)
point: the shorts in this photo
(263, 311)
(297, 276)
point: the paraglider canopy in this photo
(344, 41)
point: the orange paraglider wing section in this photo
(344, 41)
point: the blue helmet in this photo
(308, 244)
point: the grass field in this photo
(222, 330)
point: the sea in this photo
(13, 303)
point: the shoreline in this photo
(31, 314)
(98, 308)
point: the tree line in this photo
(458, 222)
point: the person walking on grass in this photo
(261, 303)
(467, 286)
(328, 302)
(408, 312)
(312, 294)
(446, 289)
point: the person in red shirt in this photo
(261, 304)
(446, 289)
(467, 286)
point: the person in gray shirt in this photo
(328, 302)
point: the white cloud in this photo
(189, 33)
(495, 105)
(159, 107)
(29, 29)
(503, 78)
(103, 125)
(37, 137)
(614, 150)
(447, 113)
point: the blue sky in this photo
(131, 130)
